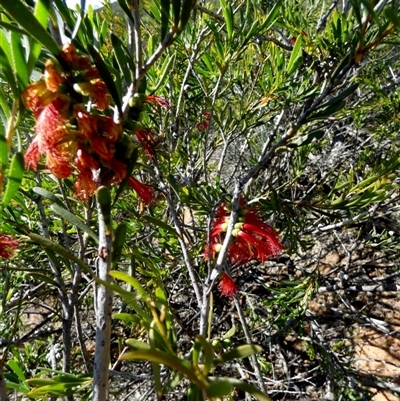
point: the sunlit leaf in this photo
(14, 178)
(21, 14)
(71, 218)
(243, 351)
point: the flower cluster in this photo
(7, 246)
(70, 136)
(253, 239)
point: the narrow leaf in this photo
(122, 58)
(164, 9)
(16, 369)
(248, 388)
(243, 351)
(126, 10)
(187, 7)
(296, 57)
(47, 194)
(219, 388)
(168, 360)
(130, 280)
(18, 60)
(15, 176)
(118, 242)
(159, 223)
(71, 218)
(21, 14)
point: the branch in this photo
(103, 300)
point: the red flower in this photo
(7, 246)
(159, 100)
(147, 140)
(145, 192)
(253, 239)
(97, 90)
(205, 122)
(227, 286)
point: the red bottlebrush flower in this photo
(86, 165)
(53, 76)
(145, 192)
(118, 168)
(97, 90)
(204, 123)
(147, 140)
(227, 286)
(253, 239)
(7, 246)
(103, 148)
(158, 100)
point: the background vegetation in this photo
(292, 107)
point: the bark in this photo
(103, 304)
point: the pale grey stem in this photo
(138, 41)
(253, 358)
(104, 298)
(222, 255)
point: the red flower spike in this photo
(145, 192)
(227, 286)
(53, 76)
(159, 100)
(119, 169)
(7, 246)
(253, 239)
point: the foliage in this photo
(130, 159)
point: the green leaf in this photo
(21, 14)
(328, 111)
(248, 388)
(171, 361)
(166, 69)
(187, 8)
(43, 278)
(36, 382)
(304, 140)
(104, 200)
(106, 76)
(126, 10)
(176, 10)
(208, 353)
(47, 194)
(6, 70)
(219, 388)
(15, 176)
(271, 16)
(227, 12)
(392, 15)
(118, 242)
(243, 351)
(347, 92)
(136, 344)
(164, 10)
(130, 280)
(296, 58)
(14, 366)
(71, 218)
(160, 223)
(121, 55)
(194, 393)
(18, 60)
(126, 317)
